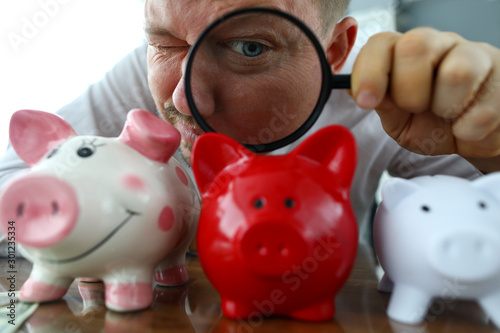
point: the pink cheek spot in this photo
(182, 176)
(166, 219)
(133, 182)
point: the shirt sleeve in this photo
(101, 110)
(408, 165)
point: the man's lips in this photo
(188, 133)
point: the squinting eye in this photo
(168, 49)
(249, 49)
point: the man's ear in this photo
(341, 42)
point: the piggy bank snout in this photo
(43, 209)
(271, 248)
(468, 255)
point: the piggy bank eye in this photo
(259, 203)
(425, 208)
(289, 203)
(85, 152)
(88, 148)
(482, 205)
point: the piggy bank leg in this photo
(237, 310)
(385, 285)
(132, 292)
(408, 305)
(491, 305)
(89, 280)
(320, 312)
(44, 286)
(172, 271)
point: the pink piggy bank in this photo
(277, 234)
(439, 237)
(103, 208)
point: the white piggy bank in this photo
(439, 237)
(102, 208)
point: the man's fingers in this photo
(417, 54)
(460, 80)
(370, 76)
(477, 123)
(486, 148)
(482, 118)
(423, 133)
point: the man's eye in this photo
(249, 49)
(160, 48)
(167, 49)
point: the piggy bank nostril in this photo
(471, 246)
(451, 249)
(482, 247)
(45, 206)
(283, 251)
(55, 208)
(261, 249)
(272, 248)
(447, 247)
(20, 210)
(279, 250)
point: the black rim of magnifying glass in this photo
(328, 81)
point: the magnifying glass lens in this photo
(256, 77)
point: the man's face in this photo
(172, 26)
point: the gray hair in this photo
(331, 12)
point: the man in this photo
(434, 93)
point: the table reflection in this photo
(195, 307)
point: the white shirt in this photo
(102, 110)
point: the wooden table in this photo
(195, 307)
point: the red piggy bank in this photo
(277, 234)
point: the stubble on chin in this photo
(186, 149)
(171, 115)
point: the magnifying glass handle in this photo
(341, 81)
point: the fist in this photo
(435, 92)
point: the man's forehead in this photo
(193, 15)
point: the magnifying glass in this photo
(259, 76)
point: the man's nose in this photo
(202, 97)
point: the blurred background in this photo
(477, 20)
(51, 50)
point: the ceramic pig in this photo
(277, 234)
(439, 237)
(103, 208)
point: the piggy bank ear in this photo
(35, 133)
(211, 153)
(490, 184)
(335, 147)
(396, 189)
(151, 136)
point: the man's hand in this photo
(435, 92)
